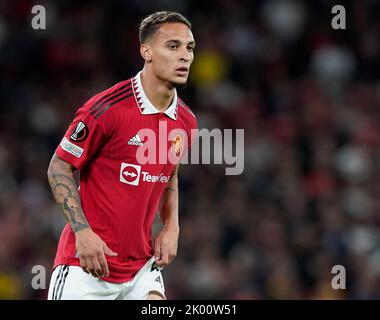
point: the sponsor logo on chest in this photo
(131, 174)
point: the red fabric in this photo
(121, 214)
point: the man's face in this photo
(172, 52)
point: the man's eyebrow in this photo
(179, 41)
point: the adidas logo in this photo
(135, 141)
(158, 279)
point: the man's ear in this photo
(145, 52)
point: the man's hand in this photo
(92, 250)
(165, 246)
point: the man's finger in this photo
(109, 252)
(171, 259)
(104, 265)
(83, 264)
(165, 256)
(97, 268)
(164, 260)
(157, 251)
(90, 266)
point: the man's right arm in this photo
(64, 188)
(90, 247)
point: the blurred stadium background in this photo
(307, 96)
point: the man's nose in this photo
(186, 56)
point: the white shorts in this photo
(72, 283)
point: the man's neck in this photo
(158, 93)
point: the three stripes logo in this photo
(158, 279)
(60, 282)
(135, 141)
(107, 101)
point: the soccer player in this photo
(106, 249)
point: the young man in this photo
(106, 251)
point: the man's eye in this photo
(172, 46)
(190, 49)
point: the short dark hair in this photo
(150, 24)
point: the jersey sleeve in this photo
(85, 136)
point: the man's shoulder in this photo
(185, 110)
(118, 94)
(119, 85)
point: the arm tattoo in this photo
(65, 193)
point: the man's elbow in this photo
(57, 165)
(50, 170)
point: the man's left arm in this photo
(166, 243)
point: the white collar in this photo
(145, 106)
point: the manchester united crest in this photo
(177, 144)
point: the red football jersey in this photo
(119, 193)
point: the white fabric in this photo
(145, 106)
(72, 283)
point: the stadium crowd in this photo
(307, 96)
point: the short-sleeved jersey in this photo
(126, 151)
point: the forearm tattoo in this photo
(66, 195)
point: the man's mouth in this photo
(182, 69)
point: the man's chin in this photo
(179, 83)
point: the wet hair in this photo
(150, 24)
